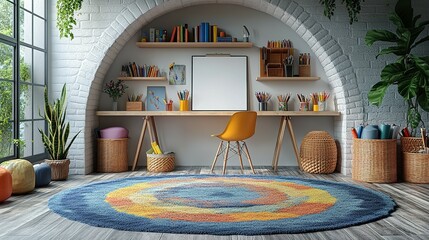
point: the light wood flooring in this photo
(28, 217)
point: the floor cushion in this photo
(43, 174)
(5, 184)
(114, 133)
(23, 179)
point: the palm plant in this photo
(55, 141)
(409, 72)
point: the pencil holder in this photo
(263, 106)
(184, 105)
(315, 107)
(283, 106)
(303, 106)
(322, 106)
(169, 107)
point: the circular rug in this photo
(221, 205)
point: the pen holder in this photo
(283, 106)
(303, 106)
(315, 107)
(263, 106)
(184, 105)
(322, 106)
(169, 107)
(288, 70)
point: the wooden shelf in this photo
(142, 78)
(194, 44)
(214, 113)
(287, 78)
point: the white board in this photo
(219, 82)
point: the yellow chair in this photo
(241, 126)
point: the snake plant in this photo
(55, 141)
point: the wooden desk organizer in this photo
(134, 106)
(305, 70)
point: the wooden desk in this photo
(285, 120)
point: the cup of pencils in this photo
(283, 102)
(183, 100)
(322, 97)
(168, 105)
(263, 98)
(304, 102)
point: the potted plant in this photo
(409, 72)
(55, 141)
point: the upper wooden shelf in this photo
(194, 44)
(287, 78)
(142, 78)
(215, 113)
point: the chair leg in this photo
(248, 157)
(226, 158)
(217, 155)
(239, 156)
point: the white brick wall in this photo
(104, 26)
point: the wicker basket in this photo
(374, 160)
(59, 169)
(160, 162)
(112, 155)
(416, 167)
(411, 144)
(318, 153)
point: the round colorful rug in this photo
(221, 205)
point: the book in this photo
(206, 32)
(151, 34)
(214, 33)
(201, 38)
(173, 34)
(196, 33)
(178, 34)
(224, 39)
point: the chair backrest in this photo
(241, 126)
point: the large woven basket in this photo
(318, 153)
(160, 162)
(411, 144)
(59, 169)
(112, 155)
(416, 167)
(374, 160)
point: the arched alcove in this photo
(335, 63)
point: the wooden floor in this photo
(28, 217)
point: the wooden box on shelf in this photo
(134, 106)
(304, 70)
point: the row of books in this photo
(200, 33)
(135, 70)
(285, 43)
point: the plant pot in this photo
(416, 167)
(411, 144)
(59, 169)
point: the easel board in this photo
(219, 82)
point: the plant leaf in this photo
(407, 88)
(420, 41)
(392, 73)
(404, 10)
(380, 35)
(398, 51)
(423, 99)
(377, 92)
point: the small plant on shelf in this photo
(115, 89)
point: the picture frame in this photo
(155, 98)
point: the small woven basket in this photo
(112, 155)
(318, 153)
(160, 162)
(374, 160)
(59, 169)
(411, 144)
(416, 167)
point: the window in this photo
(23, 77)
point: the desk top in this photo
(213, 113)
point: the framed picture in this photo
(177, 75)
(155, 98)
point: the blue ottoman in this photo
(43, 174)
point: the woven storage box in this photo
(411, 144)
(112, 155)
(416, 167)
(160, 162)
(318, 153)
(374, 160)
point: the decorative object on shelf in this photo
(374, 160)
(155, 98)
(168, 105)
(277, 60)
(55, 141)
(23, 178)
(304, 103)
(134, 102)
(183, 100)
(319, 100)
(304, 65)
(283, 102)
(318, 153)
(177, 74)
(246, 34)
(115, 90)
(410, 72)
(263, 99)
